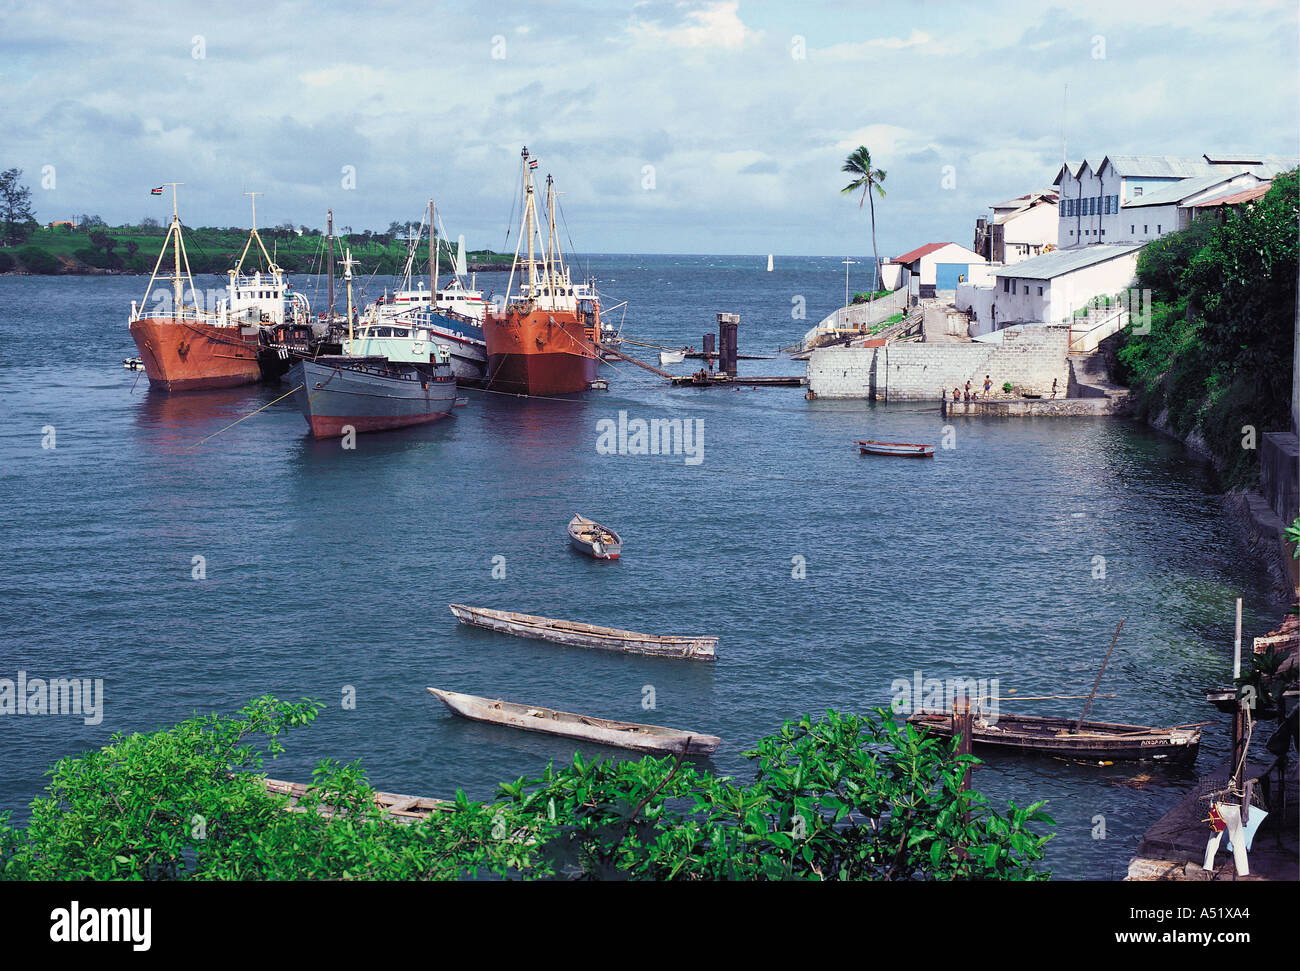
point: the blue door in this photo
(947, 274)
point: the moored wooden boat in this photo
(1104, 741)
(592, 539)
(905, 449)
(532, 718)
(586, 635)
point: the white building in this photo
(1136, 198)
(1048, 288)
(937, 266)
(1021, 228)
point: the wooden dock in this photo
(708, 380)
(1174, 848)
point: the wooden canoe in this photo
(531, 718)
(904, 449)
(403, 809)
(586, 635)
(1102, 741)
(592, 539)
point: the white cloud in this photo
(897, 43)
(716, 25)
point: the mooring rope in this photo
(247, 416)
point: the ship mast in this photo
(348, 263)
(179, 256)
(433, 255)
(270, 263)
(329, 260)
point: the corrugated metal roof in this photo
(1062, 261)
(1174, 192)
(1159, 166)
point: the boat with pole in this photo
(1070, 738)
(546, 338)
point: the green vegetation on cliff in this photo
(1218, 357)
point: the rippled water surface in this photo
(329, 568)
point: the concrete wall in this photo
(1029, 357)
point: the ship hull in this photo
(464, 340)
(186, 355)
(539, 353)
(336, 397)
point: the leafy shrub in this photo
(38, 260)
(842, 797)
(7, 263)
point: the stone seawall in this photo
(1036, 407)
(1030, 358)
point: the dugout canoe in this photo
(590, 636)
(1094, 741)
(533, 718)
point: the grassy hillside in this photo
(134, 249)
(1218, 359)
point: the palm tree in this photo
(859, 164)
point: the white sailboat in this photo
(769, 262)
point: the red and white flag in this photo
(156, 192)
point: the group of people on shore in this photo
(975, 395)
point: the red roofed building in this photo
(936, 266)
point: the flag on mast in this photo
(532, 163)
(156, 192)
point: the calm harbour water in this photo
(329, 568)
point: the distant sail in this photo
(460, 255)
(769, 262)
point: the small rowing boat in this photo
(531, 718)
(586, 635)
(905, 449)
(591, 538)
(1102, 741)
(671, 357)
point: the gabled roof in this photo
(920, 251)
(1175, 192)
(1062, 261)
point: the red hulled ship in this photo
(189, 348)
(546, 339)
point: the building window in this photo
(1137, 191)
(1157, 229)
(1145, 229)
(1132, 230)
(1006, 285)
(1040, 291)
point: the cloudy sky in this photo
(670, 126)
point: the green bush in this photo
(7, 263)
(38, 260)
(842, 797)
